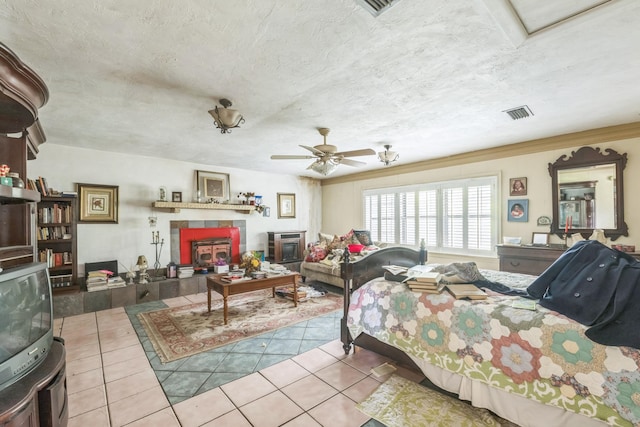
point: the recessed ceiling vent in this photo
(519, 112)
(376, 7)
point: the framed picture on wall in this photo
(286, 205)
(518, 210)
(213, 186)
(518, 186)
(98, 203)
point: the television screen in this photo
(25, 319)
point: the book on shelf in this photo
(44, 188)
(466, 290)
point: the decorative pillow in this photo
(337, 243)
(325, 238)
(316, 253)
(350, 238)
(364, 237)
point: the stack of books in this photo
(98, 280)
(466, 290)
(185, 271)
(426, 282)
(116, 282)
(287, 292)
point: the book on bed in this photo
(466, 290)
(427, 288)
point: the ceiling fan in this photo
(327, 156)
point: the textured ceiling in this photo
(431, 78)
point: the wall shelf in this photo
(175, 207)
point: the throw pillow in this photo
(324, 238)
(337, 243)
(364, 237)
(350, 238)
(316, 253)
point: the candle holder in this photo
(565, 236)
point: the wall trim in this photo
(575, 139)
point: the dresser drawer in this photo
(527, 259)
(524, 265)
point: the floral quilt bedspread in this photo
(538, 354)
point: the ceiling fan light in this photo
(387, 157)
(226, 118)
(323, 167)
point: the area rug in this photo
(179, 332)
(399, 402)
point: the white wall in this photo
(342, 202)
(139, 179)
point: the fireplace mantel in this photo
(175, 207)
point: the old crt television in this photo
(26, 320)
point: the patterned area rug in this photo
(184, 331)
(399, 402)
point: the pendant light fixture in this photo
(226, 118)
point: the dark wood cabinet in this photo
(22, 92)
(40, 398)
(57, 241)
(527, 259)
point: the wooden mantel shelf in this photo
(176, 206)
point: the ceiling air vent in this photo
(519, 112)
(376, 7)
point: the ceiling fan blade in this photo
(350, 162)
(354, 153)
(313, 150)
(290, 157)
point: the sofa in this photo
(322, 258)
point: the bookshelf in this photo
(57, 241)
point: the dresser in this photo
(528, 259)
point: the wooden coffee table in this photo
(215, 282)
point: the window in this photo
(454, 216)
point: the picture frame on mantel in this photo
(213, 186)
(98, 203)
(286, 205)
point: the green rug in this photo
(399, 402)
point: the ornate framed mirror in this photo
(587, 193)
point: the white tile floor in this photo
(111, 383)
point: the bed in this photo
(534, 368)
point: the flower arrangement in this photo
(250, 263)
(220, 261)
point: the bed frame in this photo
(356, 275)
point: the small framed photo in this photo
(176, 196)
(518, 210)
(213, 186)
(98, 203)
(518, 186)
(286, 205)
(540, 239)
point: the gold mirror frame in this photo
(582, 158)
